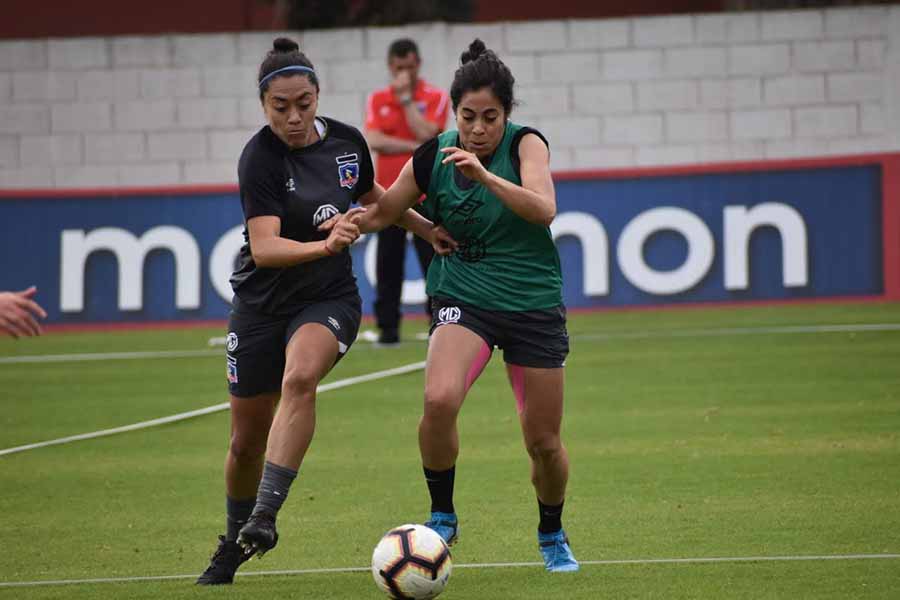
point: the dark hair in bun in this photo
(480, 67)
(285, 52)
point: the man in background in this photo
(399, 118)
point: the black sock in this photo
(440, 486)
(273, 488)
(551, 517)
(236, 514)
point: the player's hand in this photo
(355, 215)
(344, 230)
(466, 162)
(442, 242)
(19, 313)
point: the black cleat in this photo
(223, 564)
(258, 536)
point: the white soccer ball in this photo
(411, 562)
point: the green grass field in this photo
(693, 433)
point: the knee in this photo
(544, 448)
(442, 402)
(247, 448)
(298, 383)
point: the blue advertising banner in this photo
(697, 237)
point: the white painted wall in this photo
(137, 111)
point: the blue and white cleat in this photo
(558, 557)
(446, 525)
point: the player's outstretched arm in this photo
(390, 206)
(393, 206)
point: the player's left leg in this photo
(539, 396)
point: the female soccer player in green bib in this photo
(488, 184)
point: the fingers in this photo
(442, 250)
(354, 212)
(442, 242)
(337, 242)
(29, 293)
(32, 308)
(28, 324)
(344, 228)
(444, 237)
(327, 225)
(12, 327)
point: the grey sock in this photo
(236, 514)
(273, 488)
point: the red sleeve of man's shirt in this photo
(373, 110)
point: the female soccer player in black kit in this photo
(296, 308)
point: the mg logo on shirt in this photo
(323, 213)
(449, 314)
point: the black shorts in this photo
(532, 338)
(256, 343)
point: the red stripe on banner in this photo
(112, 192)
(734, 304)
(890, 194)
(617, 173)
(727, 167)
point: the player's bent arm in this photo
(535, 199)
(270, 250)
(388, 144)
(389, 207)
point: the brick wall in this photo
(136, 111)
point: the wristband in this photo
(328, 250)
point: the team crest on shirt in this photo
(348, 170)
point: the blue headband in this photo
(299, 68)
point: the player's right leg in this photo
(250, 422)
(254, 381)
(456, 357)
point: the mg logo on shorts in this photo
(231, 342)
(323, 213)
(449, 314)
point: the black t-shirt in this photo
(424, 156)
(303, 188)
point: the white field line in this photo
(209, 409)
(637, 561)
(622, 335)
(726, 331)
(54, 358)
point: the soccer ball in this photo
(411, 562)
